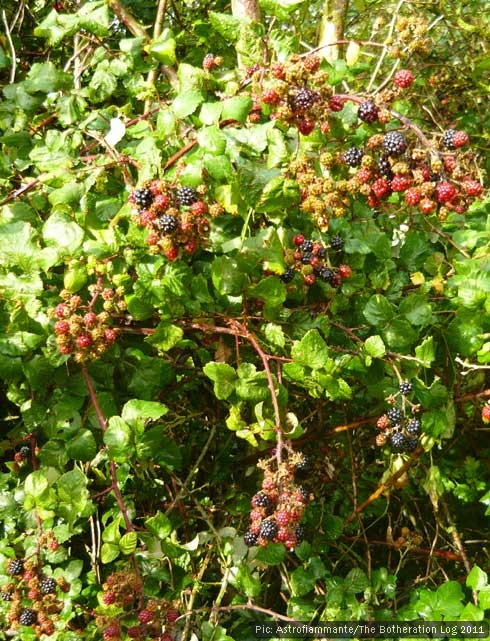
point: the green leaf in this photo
(425, 352)
(378, 310)
(62, 233)
(212, 140)
(302, 582)
(250, 585)
(163, 49)
(109, 552)
(449, 597)
(225, 24)
(165, 336)
(81, 446)
(236, 108)
(46, 78)
(227, 276)
(154, 446)
(224, 378)
(273, 554)
(271, 290)
(399, 335)
(311, 351)
(186, 103)
(477, 579)
(134, 410)
(274, 334)
(374, 346)
(416, 310)
(356, 581)
(159, 525)
(117, 437)
(128, 542)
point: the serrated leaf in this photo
(109, 552)
(135, 409)
(186, 103)
(378, 310)
(425, 352)
(273, 554)
(311, 351)
(224, 378)
(356, 581)
(477, 579)
(159, 525)
(81, 446)
(165, 336)
(374, 346)
(62, 233)
(128, 542)
(117, 437)
(302, 582)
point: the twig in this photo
(386, 485)
(13, 68)
(251, 606)
(22, 190)
(385, 51)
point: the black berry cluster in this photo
(313, 261)
(398, 426)
(368, 111)
(176, 217)
(279, 506)
(394, 143)
(353, 156)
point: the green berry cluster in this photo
(177, 218)
(278, 508)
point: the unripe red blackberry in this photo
(485, 414)
(270, 97)
(400, 183)
(61, 311)
(345, 271)
(309, 279)
(111, 631)
(199, 208)
(208, 62)
(427, 206)
(413, 196)
(381, 187)
(62, 327)
(282, 517)
(90, 319)
(84, 340)
(472, 187)
(305, 126)
(277, 70)
(403, 78)
(108, 598)
(172, 253)
(135, 632)
(161, 202)
(445, 192)
(460, 138)
(145, 616)
(172, 615)
(368, 111)
(336, 103)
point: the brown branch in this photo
(22, 190)
(127, 19)
(448, 555)
(470, 397)
(386, 485)
(256, 608)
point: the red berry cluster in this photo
(33, 598)
(176, 217)
(211, 62)
(277, 509)
(295, 93)
(123, 590)
(79, 330)
(485, 413)
(314, 261)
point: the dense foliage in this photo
(244, 307)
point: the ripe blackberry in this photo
(268, 530)
(337, 242)
(27, 616)
(304, 99)
(186, 195)
(303, 494)
(413, 426)
(398, 440)
(5, 596)
(250, 538)
(447, 139)
(325, 274)
(353, 156)
(25, 451)
(300, 533)
(411, 444)
(406, 387)
(322, 252)
(48, 585)
(168, 223)
(303, 465)
(394, 143)
(261, 500)
(395, 415)
(368, 112)
(306, 258)
(384, 167)
(15, 567)
(306, 246)
(288, 275)
(143, 197)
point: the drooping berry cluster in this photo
(176, 217)
(314, 260)
(277, 509)
(82, 332)
(34, 599)
(137, 617)
(397, 426)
